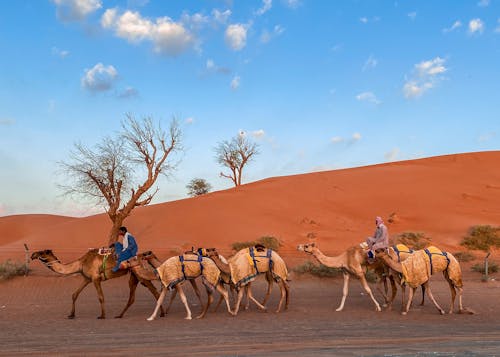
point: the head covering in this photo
(379, 220)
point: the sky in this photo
(318, 85)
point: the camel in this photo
(175, 270)
(155, 263)
(225, 270)
(96, 268)
(351, 262)
(418, 268)
(245, 266)
(399, 253)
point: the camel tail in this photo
(454, 271)
(279, 267)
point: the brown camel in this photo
(155, 263)
(225, 270)
(248, 263)
(351, 261)
(96, 268)
(418, 268)
(175, 270)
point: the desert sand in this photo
(440, 196)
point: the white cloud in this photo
(195, 22)
(212, 67)
(236, 36)
(128, 92)
(235, 83)
(221, 17)
(75, 10)
(337, 139)
(366, 20)
(412, 15)
(392, 155)
(189, 120)
(370, 63)
(292, 4)
(476, 26)
(99, 78)
(60, 53)
(267, 36)
(168, 37)
(368, 97)
(363, 20)
(356, 137)
(486, 137)
(483, 3)
(258, 133)
(266, 6)
(426, 75)
(453, 27)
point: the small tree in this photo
(119, 172)
(198, 187)
(234, 155)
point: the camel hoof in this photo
(188, 318)
(150, 318)
(118, 317)
(101, 317)
(71, 317)
(403, 312)
(442, 312)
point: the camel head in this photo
(148, 255)
(306, 248)
(208, 252)
(43, 255)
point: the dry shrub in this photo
(267, 241)
(413, 240)
(318, 270)
(10, 269)
(492, 267)
(482, 238)
(464, 257)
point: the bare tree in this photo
(119, 172)
(234, 155)
(198, 187)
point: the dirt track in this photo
(33, 321)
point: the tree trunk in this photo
(113, 233)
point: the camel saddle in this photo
(104, 251)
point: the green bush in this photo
(464, 257)
(267, 241)
(492, 267)
(317, 270)
(413, 240)
(482, 238)
(10, 269)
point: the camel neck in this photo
(390, 262)
(65, 269)
(223, 267)
(331, 262)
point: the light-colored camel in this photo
(418, 268)
(174, 272)
(351, 261)
(96, 268)
(155, 263)
(244, 269)
(225, 270)
(398, 253)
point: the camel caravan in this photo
(397, 265)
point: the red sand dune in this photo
(442, 196)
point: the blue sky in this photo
(319, 85)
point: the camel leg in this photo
(403, 293)
(149, 285)
(423, 296)
(197, 292)
(184, 301)
(210, 298)
(250, 295)
(408, 303)
(100, 294)
(287, 289)
(223, 293)
(269, 288)
(345, 291)
(283, 292)
(132, 286)
(247, 304)
(453, 294)
(158, 304)
(429, 293)
(238, 301)
(394, 291)
(365, 285)
(218, 302)
(383, 291)
(172, 297)
(75, 296)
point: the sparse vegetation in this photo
(10, 269)
(464, 257)
(266, 241)
(413, 240)
(320, 270)
(492, 267)
(198, 187)
(482, 238)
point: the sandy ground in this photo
(33, 321)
